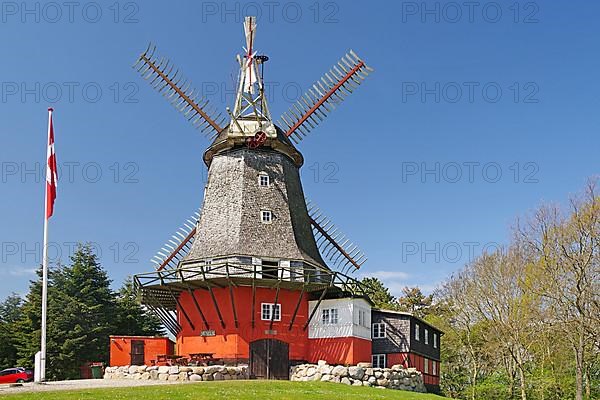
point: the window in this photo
(362, 318)
(270, 311)
(264, 180)
(417, 333)
(378, 330)
(330, 316)
(426, 336)
(378, 360)
(435, 340)
(426, 366)
(433, 368)
(266, 217)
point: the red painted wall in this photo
(231, 342)
(120, 349)
(418, 362)
(346, 350)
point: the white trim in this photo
(378, 357)
(381, 329)
(435, 340)
(417, 333)
(266, 216)
(270, 312)
(260, 179)
(425, 366)
(426, 336)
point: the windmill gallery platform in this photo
(245, 281)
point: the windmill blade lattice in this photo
(178, 246)
(314, 106)
(179, 91)
(332, 243)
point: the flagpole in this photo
(42, 375)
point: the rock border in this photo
(176, 373)
(362, 374)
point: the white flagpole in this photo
(42, 375)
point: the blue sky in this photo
(473, 117)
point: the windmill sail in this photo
(177, 246)
(314, 106)
(332, 243)
(179, 91)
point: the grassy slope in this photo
(280, 390)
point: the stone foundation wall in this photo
(175, 373)
(362, 374)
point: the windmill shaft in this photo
(181, 93)
(323, 99)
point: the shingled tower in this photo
(243, 279)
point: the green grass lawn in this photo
(232, 390)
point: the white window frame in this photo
(381, 329)
(269, 308)
(362, 317)
(266, 216)
(425, 366)
(267, 179)
(376, 358)
(417, 333)
(435, 340)
(426, 336)
(330, 316)
(433, 368)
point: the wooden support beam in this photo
(297, 307)
(275, 306)
(185, 314)
(235, 319)
(212, 296)
(312, 314)
(253, 302)
(192, 293)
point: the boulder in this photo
(173, 377)
(132, 370)
(195, 378)
(183, 376)
(154, 374)
(163, 369)
(357, 383)
(207, 377)
(382, 382)
(340, 371)
(356, 372)
(364, 365)
(321, 363)
(310, 371)
(198, 370)
(145, 376)
(174, 370)
(212, 369)
(346, 381)
(217, 376)
(185, 369)
(163, 377)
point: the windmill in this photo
(255, 236)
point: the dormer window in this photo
(264, 180)
(266, 217)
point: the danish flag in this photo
(51, 171)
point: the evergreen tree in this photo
(132, 318)
(414, 301)
(379, 294)
(10, 312)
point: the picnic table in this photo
(171, 359)
(203, 358)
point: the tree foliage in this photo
(82, 312)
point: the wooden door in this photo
(269, 359)
(137, 352)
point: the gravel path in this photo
(81, 384)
